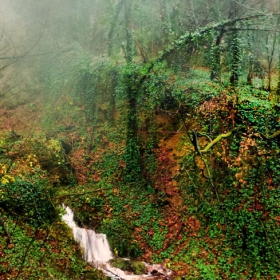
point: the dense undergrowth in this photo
(35, 244)
(207, 211)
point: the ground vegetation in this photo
(156, 122)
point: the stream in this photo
(97, 251)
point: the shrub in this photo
(29, 200)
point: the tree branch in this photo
(274, 135)
(216, 140)
(189, 37)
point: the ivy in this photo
(31, 201)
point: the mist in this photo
(156, 122)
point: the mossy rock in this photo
(138, 268)
(121, 264)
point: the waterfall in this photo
(96, 250)
(95, 246)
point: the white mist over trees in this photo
(155, 120)
(41, 33)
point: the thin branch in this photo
(274, 135)
(27, 52)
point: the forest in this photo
(156, 122)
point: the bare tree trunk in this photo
(166, 26)
(110, 52)
(129, 35)
(215, 51)
(270, 55)
(113, 26)
(191, 15)
(278, 83)
(251, 59)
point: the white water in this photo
(96, 250)
(95, 246)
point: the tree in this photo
(113, 26)
(166, 27)
(132, 146)
(271, 52)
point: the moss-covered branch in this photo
(274, 135)
(193, 36)
(216, 140)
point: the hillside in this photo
(170, 148)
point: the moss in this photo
(138, 268)
(121, 264)
(95, 275)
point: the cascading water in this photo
(96, 250)
(95, 246)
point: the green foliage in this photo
(227, 218)
(32, 201)
(119, 233)
(34, 253)
(95, 85)
(235, 54)
(120, 263)
(255, 109)
(137, 268)
(133, 209)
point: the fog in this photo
(156, 121)
(42, 43)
